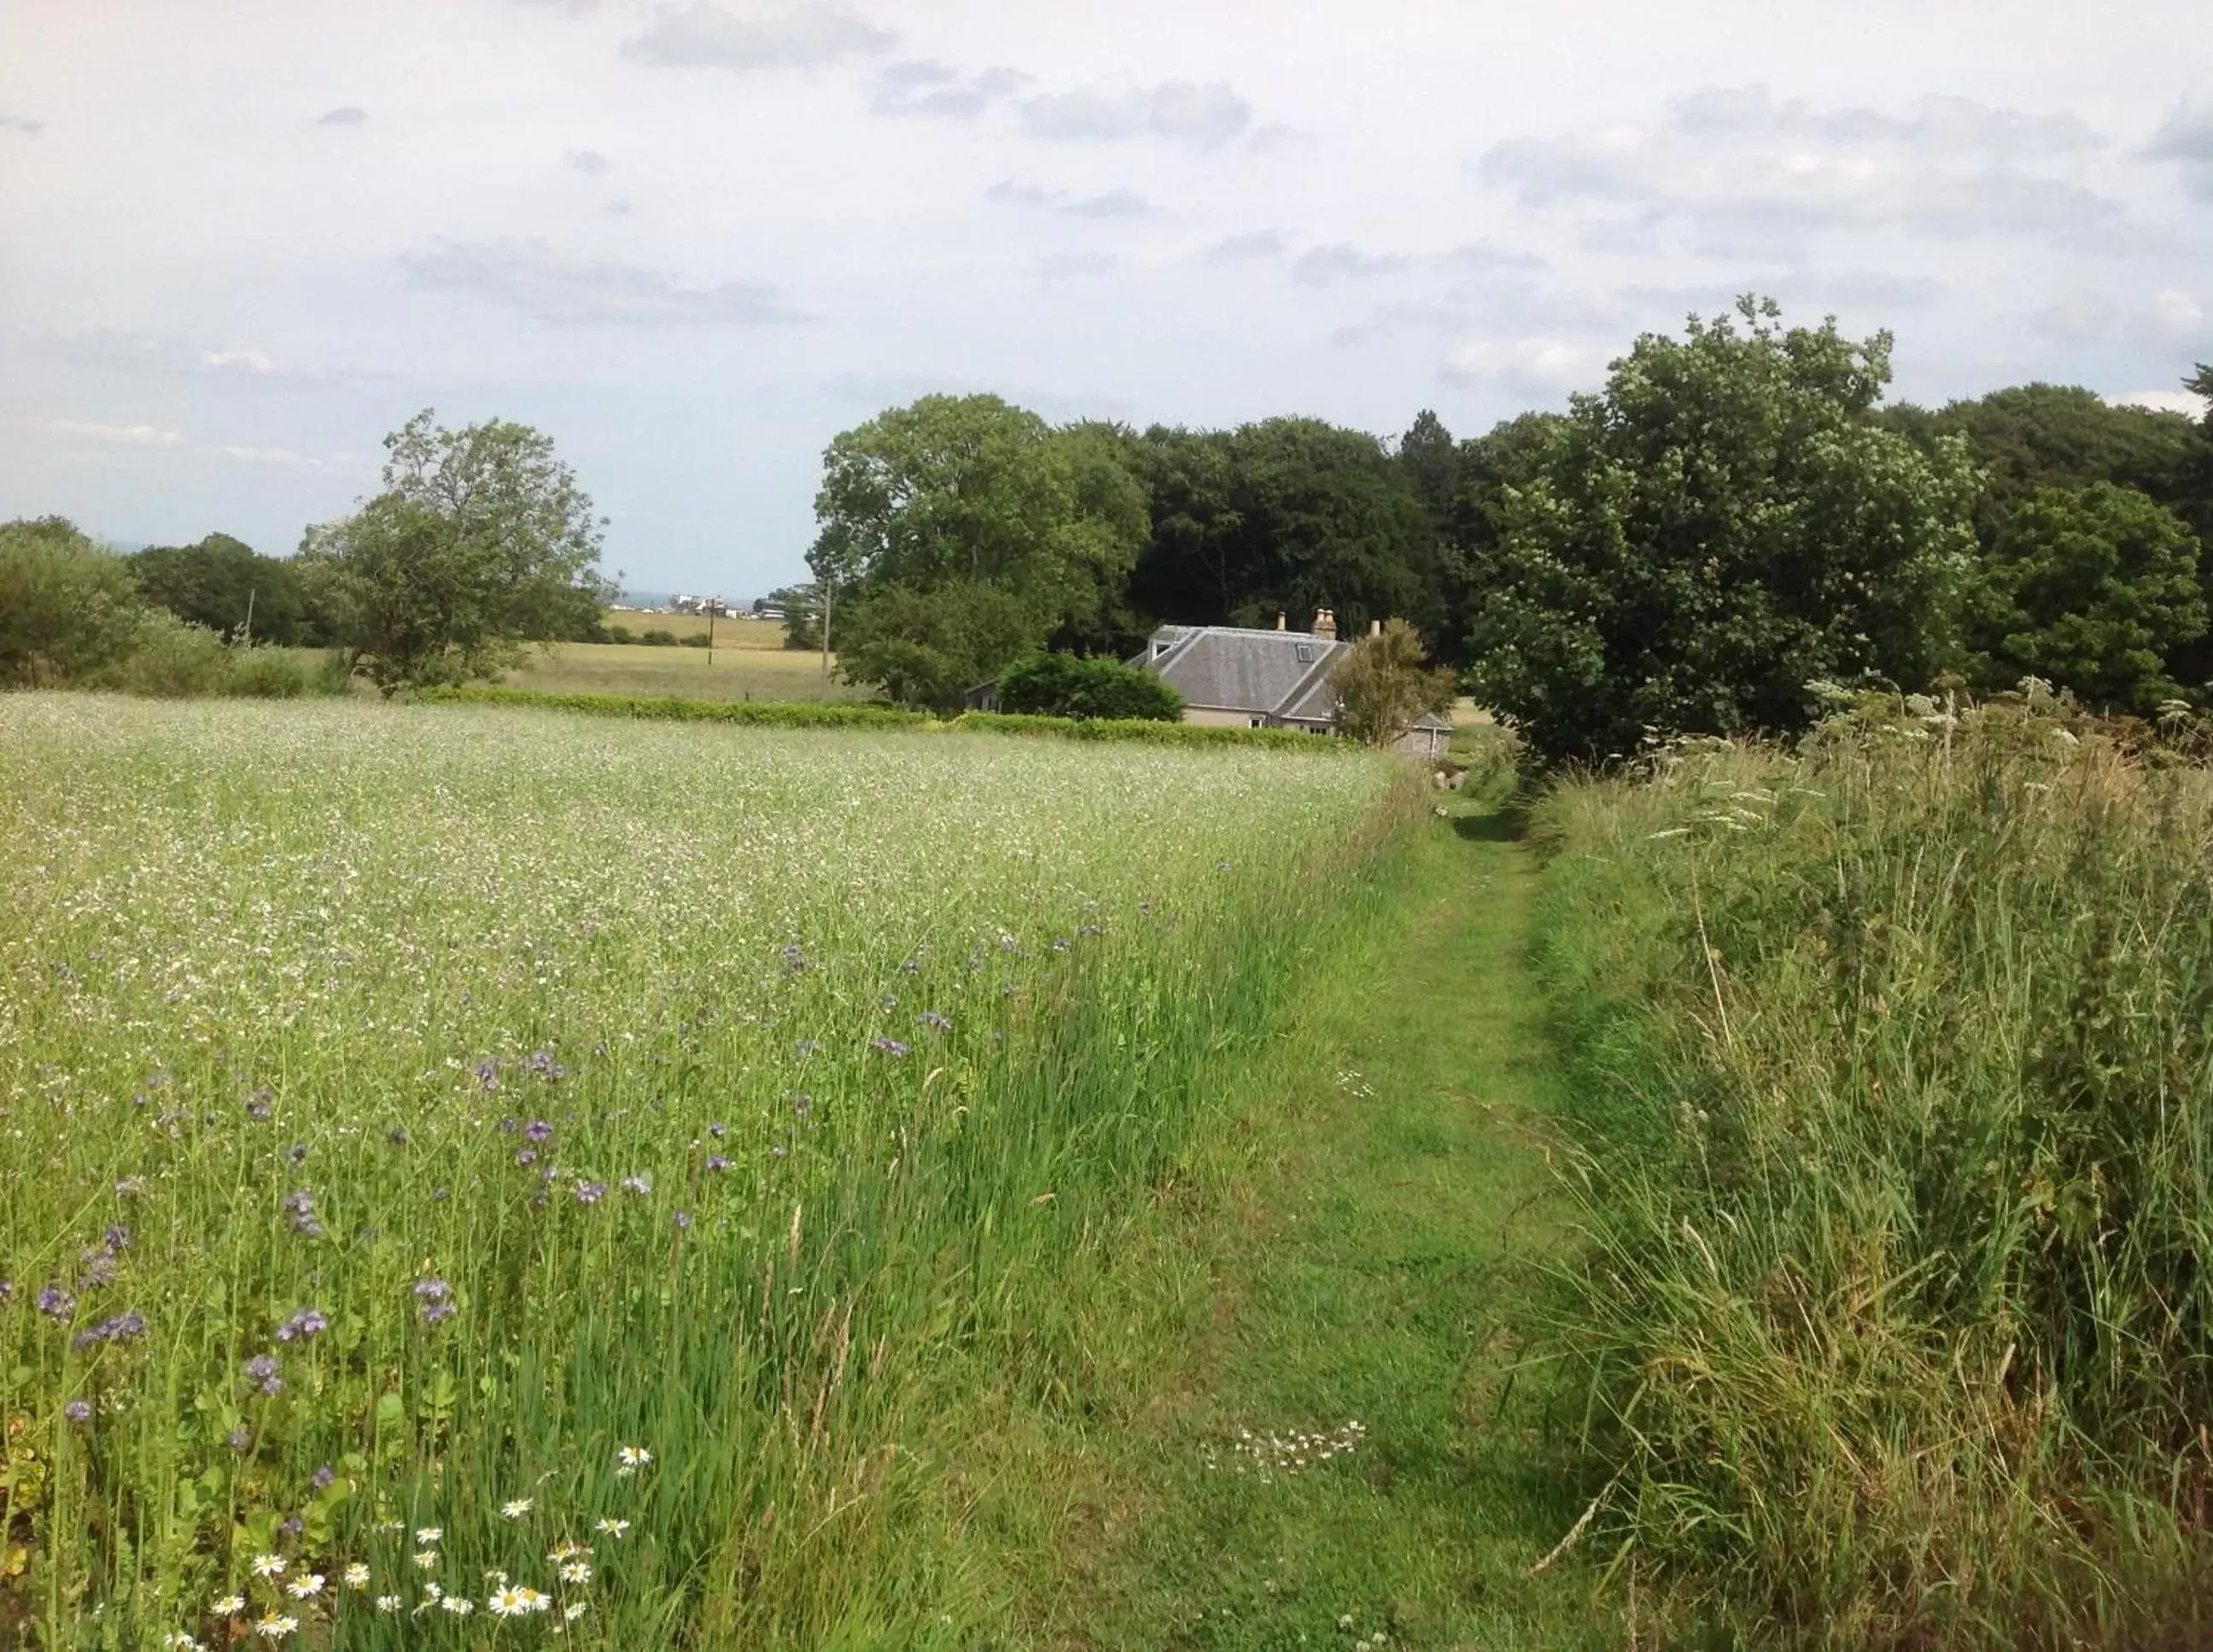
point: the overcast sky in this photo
(693, 240)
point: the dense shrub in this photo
(658, 637)
(171, 658)
(266, 675)
(698, 639)
(1067, 686)
(1896, 1071)
(68, 608)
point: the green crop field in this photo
(471, 1162)
(733, 674)
(740, 633)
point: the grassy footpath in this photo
(1357, 1247)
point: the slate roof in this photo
(1279, 675)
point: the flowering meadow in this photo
(475, 1176)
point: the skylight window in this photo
(1306, 654)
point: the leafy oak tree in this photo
(961, 532)
(481, 540)
(2092, 588)
(1724, 523)
(68, 609)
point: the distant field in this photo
(745, 670)
(733, 633)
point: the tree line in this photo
(1734, 517)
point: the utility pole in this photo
(710, 634)
(249, 615)
(826, 636)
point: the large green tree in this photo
(2092, 588)
(1724, 523)
(68, 609)
(482, 539)
(221, 582)
(959, 532)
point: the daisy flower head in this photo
(427, 1535)
(574, 1610)
(516, 1508)
(274, 1626)
(576, 1571)
(459, 1605)
(387, 1603)
(306, 1588)
(505, 1603)
(356, 1577)
(566, 1550)
(532, 1600)
(630, 1459)
(611, 1527)
(426, 1558)
(269, 1565)
(181, 1641)
(229, 1606)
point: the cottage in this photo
(1232, 677)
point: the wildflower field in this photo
(475, 1172)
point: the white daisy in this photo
(611, 1528)
(427, 1535)
(459, 1605)
(426, 1558)
(229, 1606)
(505, 1603)
(356, 1577)
(573, 1611)
(269, 1565)
(387, 1603)
(305, 1588)
(275, 1628)
(576, 1571)
(516, 1508)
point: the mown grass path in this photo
(1364, 1251)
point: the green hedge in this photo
(805, 714)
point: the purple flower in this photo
(717, 1164)
(7, 1290)
(130, 1187)
(891, 1047)
(297, 1153)
(78, 1411)
(935, 1021)
(639, 1185)
(300, 1205)
(436, 1297)
(437, 1313)
(590, 1193)
(527, 1155)
(683, 1220)
(794, 960)
(537, 1131)
(488, 1076)
(304, 1323)
(98, 1269)
(117, 1238)
(509, 1125)
(262, 1371)
(118, 1328)
(321, 1479)
(397, 1136)
(541, 1061)
(56, 1303)
(801, 1103)
(257, 1109)
(239, 1438)
(718, 1132)
(292, 1526)
(912, 965)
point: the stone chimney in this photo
(1325, 626)
(1280, 618)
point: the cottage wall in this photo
(1215, 718)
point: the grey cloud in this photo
(1063, 266)
(18, 124)
(588, 161)
(925, 87)
(705, 36)
(1240, 249)
(1205, 116)
(1114, 204)
(1325, 266)
(2168, 320)
(350, 115)
(542, 281)
(235, 363)
(2187, 139)
(1736, 174)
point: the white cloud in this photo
(1526, 366)
(18, 124)
(2165, 401)
(1244, 248)
(121, 435)
(348, 115)
(1734, 172)
(1113, 204)
(706, 36)
(590, 161)
(1064, 267)
(549, 284)
(1325, 266)
(1204, 116)
(252, 361)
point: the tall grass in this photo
(408, 1110)
(1898, 1169)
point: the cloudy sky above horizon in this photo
(695, 238)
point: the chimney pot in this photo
(1280, 618)
(1374, 628)
(1325, 626)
